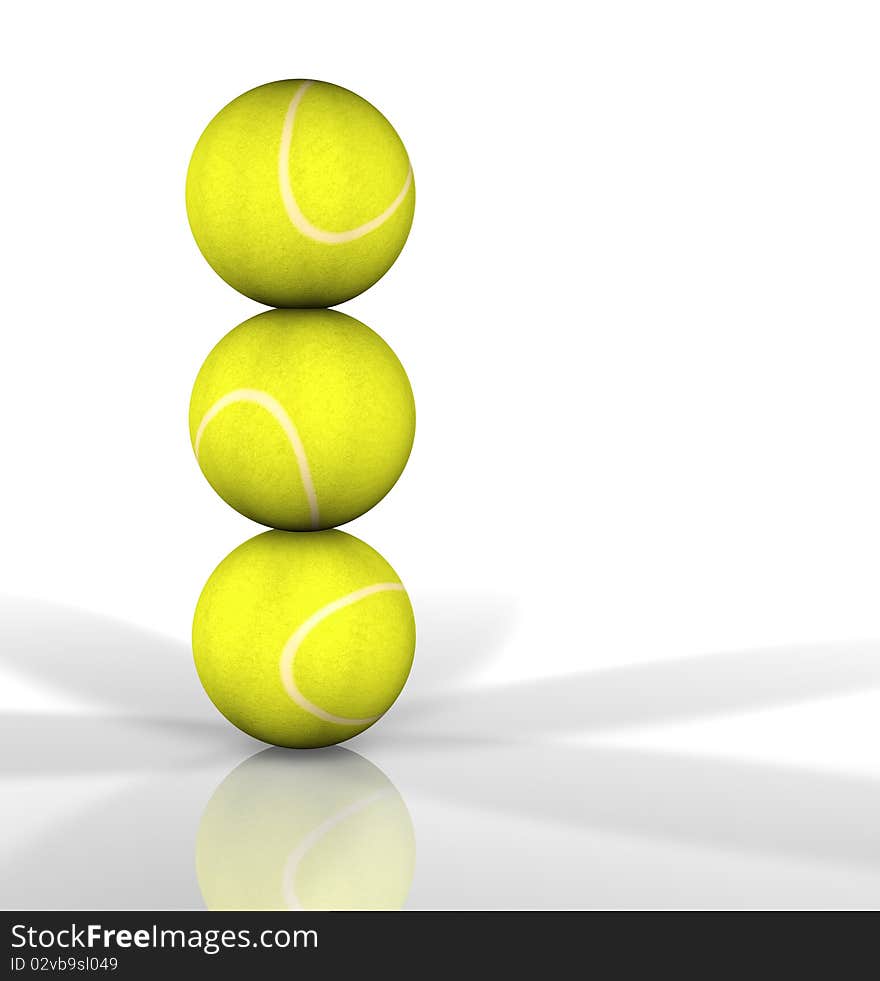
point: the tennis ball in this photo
(323, 831)
(300, 194)
(303, 639)
(302, 419)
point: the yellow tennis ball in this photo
(302, 419)
(300, 194)
(324, 831)
(303, 639)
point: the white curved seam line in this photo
(288, 654)
(277, 410)
(294, 212)
(291, 866)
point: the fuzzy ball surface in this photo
(300, 194)
(302, 419)
(303, 639)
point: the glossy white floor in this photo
(619, 788)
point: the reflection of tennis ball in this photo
(302, 419)
(303, 639)
(300, 194)
(326, 831)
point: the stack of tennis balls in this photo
(300, 195)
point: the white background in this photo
(638, 308)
